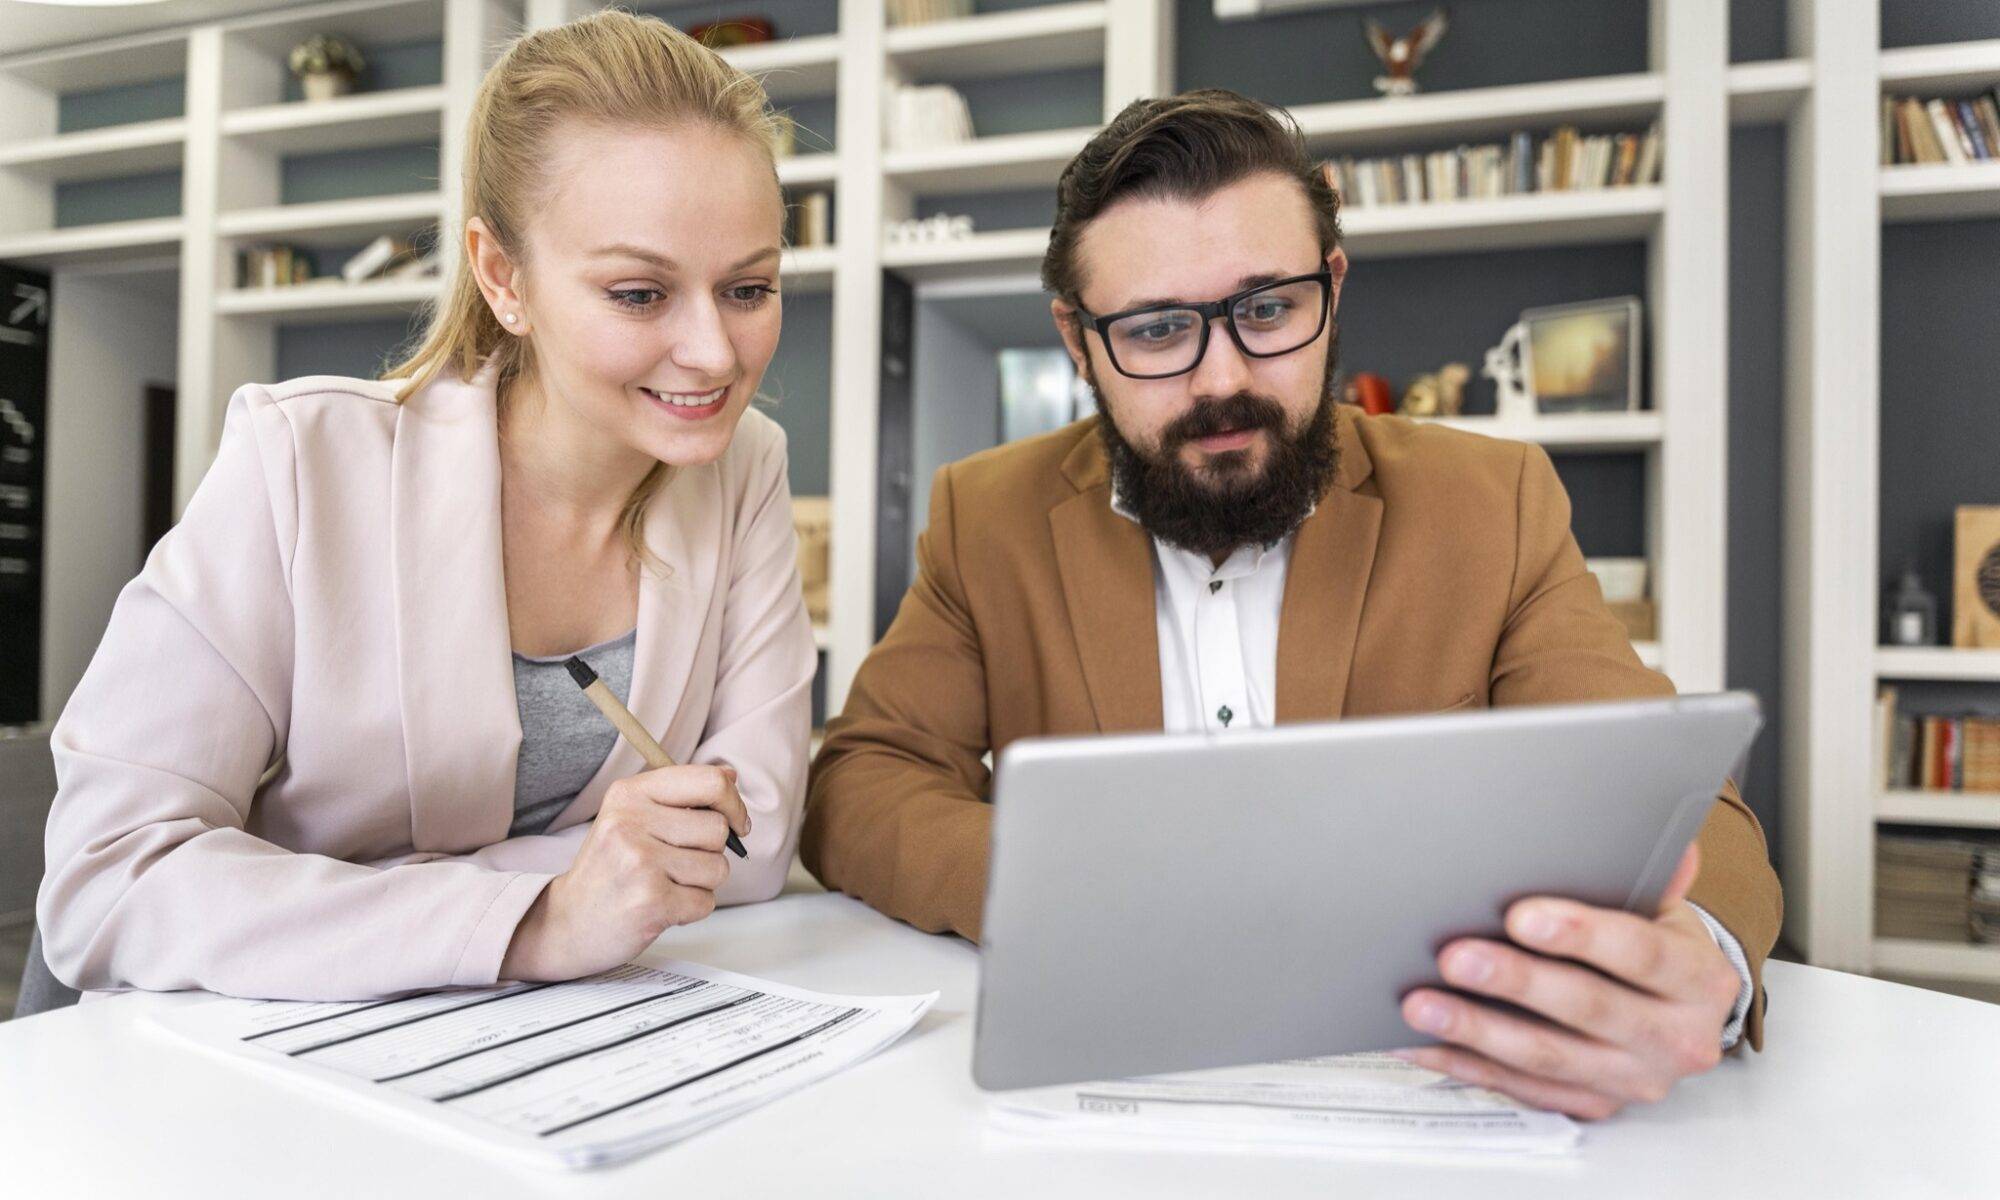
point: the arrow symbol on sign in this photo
(34, 302)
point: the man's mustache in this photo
(1244, 410)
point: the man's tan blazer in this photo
(1438, 572)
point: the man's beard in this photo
(1226, 503)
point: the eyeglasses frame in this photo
(1209, 311)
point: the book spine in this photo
(1947, 133)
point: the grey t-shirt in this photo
(564, 739)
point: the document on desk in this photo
(575, 1074)
(1372, 1102)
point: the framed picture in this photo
(1583, 358)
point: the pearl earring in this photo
(512, 317)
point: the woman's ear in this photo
(498, 280)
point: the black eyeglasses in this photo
(1264, 321)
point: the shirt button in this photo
(1223, 715)
(1214, 586)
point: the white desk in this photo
(1867, 1089)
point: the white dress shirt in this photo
(1218, 632)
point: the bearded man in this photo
(1224, 547)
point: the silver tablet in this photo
(1167, 903)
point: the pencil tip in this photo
(580, 671)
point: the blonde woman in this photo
(327, 748)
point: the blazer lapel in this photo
(676, 593)
(1325, 585)
(461, 725)
(1106, 562)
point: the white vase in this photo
(325, 85)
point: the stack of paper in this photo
(1349, 1102)
(572, 1074)
(1923, 887)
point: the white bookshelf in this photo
(238, 127)
(1936, 960)
(1841, 197)
(1937, 662)
(385, 118)
(1577, 432)
(1045, 38)
(329, 299)
(1622, 214)
(1972, 810)
(1003, 162)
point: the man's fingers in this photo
(1640, 951)
(1684, 877)
(1530, 1047)
(1572, 996)
(1480, 1071)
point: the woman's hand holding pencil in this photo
(652, 859)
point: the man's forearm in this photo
(913, 848)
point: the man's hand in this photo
(1651, 1011)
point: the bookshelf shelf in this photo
(386, 118)
(1001, 251)
(791, 68)
(804, 170)
(1578, 433)
(365, 22)
(332, 222)
(1953, 67)
(1623, 103)
(1940, 191)
(1937, 663)
(1766, 92)
(1504, 223)
(988, 164)
(808, 269)
(1046, 38)
(1975, 810)
(99, 153)
(1937, 960)
(329, 299)
(93, 243)
(139, 58)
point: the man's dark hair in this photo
(1182, 147)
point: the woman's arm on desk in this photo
(153, 880)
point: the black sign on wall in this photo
(24, 394)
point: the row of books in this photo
(1565, 160)
(923, 12)
(1937, 887)
(1940, 131)
(928, 115)
(1947, 752)
(387, 257)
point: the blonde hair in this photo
(612, 67)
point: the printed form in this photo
(574, 1074)
(1373, 1102)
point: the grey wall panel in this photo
(1940, 418)
(1756, 444)
(799, 383)
(127, 198)
(125, 104)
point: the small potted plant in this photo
(326, 65)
